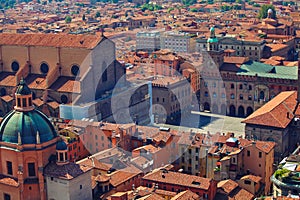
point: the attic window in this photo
(196, 183)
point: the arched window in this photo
(64, 98)
(214, 84)
(232, 96)
(241, 86)
(15, 66)
(223, 95)
(206, 93)
(250, 87)
(75, 70)
(44, 68)
(214, 95)
(232, 86)
(261, 95)
(241, 97)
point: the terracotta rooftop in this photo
(67, 171)
(7, 98)
(228, 185)
(186, 195)
(50, 40)
(236, 60)
(8, 181)
(66, 84)
(276, 113)
(92, 162)
(121, 176)
(253, 178)
(232, 191)
(178, 179)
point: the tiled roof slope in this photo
(274, 113)
(50, 40)
(178, 179)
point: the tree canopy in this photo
(150, 6)
(263, 13)
(68, 19)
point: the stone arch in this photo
(241, 111)
(206, 106)
(215, 108)
(223, 109)
(261, 95)
(249, 111)
(232, 110)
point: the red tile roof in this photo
(51, 40)
(186, 195)
(8, 181)
(120, 177)
(275, 112)
(227, 185)
(253, 178)
(176, 178)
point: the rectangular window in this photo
(61, 156)
(19, 101)
(30, 101)
(31, 169)
(248, 153)
(9, 167)
(260, 154)
(24, 102)
(7, 196)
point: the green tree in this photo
(97, 14)
(194, 10)
(263, 13)
(68, 19)
(170, 9)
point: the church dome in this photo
(61, 145)
(28, 125)
(24, 124)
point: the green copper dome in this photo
(28, 125)
(23, 89)
(212, 40)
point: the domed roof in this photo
(23, 89)
(27, 124)
(61, 145)
(212, 40)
